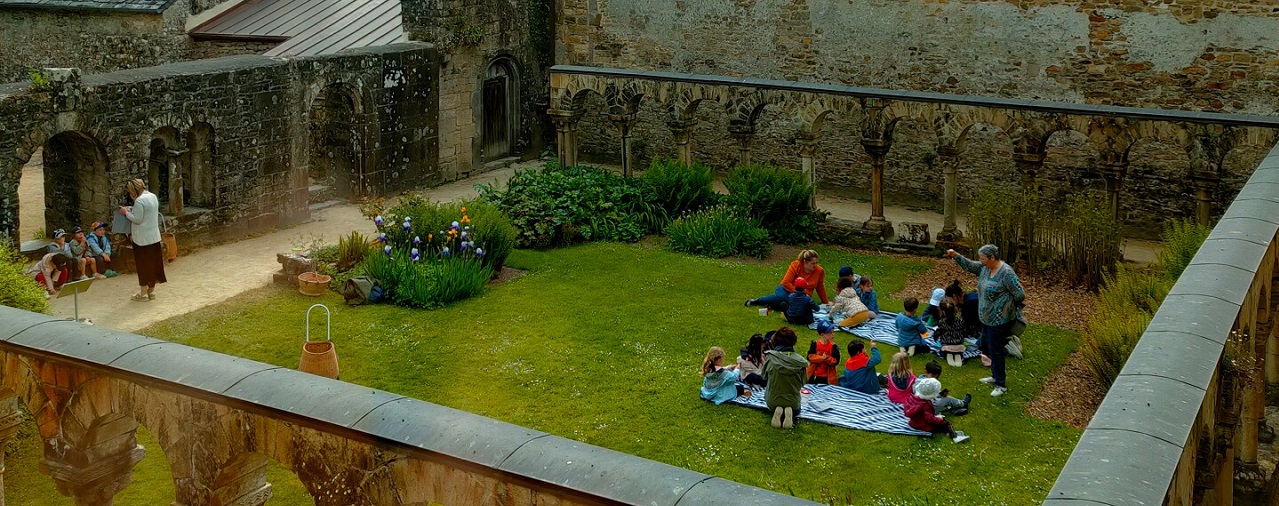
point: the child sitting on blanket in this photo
(799, 310)
(750, 364)
(823, 356)
(859, 370)
(911, 331)
(900, 378)
(719, 382)
(784, 369)
(849, 304)
(932, 313)
(950, 333)
(944, 402)
(866, 291)
(919, 409)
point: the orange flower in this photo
(463, 210)
(452, 231)
(430, 236)
(466, 219)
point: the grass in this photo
(601, 343)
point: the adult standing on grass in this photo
(147, 254)
(805, 266)
(999, 298)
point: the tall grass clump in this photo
(717, 232)
(17, 289)
(1127, 301)
(1076, 239)
(1182, 239)
(556, 205)
(486, 226)
(678, 188)
(778, 199)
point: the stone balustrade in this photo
(220, 419)
(1182, 419)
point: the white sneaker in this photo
(778, 414)
(960, 437)
(99, 276)
(789, 421)
(989, 380)
(998, 391)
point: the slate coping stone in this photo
(99, 345)
(14, 320)
(1226, 282)
(1219, 250)
(189, 366)
(601, 472)
(309, 395)
(1117, 467)
(1177, 355)
(1159, 407)
(1250, 229)
(446, 430)
(718, 491)
(1207, 317)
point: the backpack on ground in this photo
(361, 290)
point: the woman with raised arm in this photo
(999, 300)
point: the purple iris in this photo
(378, 221)
(417, 240)
(381, 237)
(387, 249)
(464, 246)
(414, 254)
(407, 226)
(479, 252)
(444, 252)
(464, 234)
(455, 226)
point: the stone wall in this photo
(91, 41)
(204, 49)
(476, 38)
(1200, 55)
(230, 134)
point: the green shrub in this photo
(351, 250)
(1182, 239)
(717, 232)
(1075, 239)
(679, 188)
(1126, 303)
(557, 205)
(778, 199)
(17, 289)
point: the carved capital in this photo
(89, 478)
(876, 148)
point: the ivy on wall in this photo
(540, 30)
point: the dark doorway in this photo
(499, 106)
(76, 191)
(336, 146)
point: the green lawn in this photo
(613, 334)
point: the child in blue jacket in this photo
(719, 382)
(911, 330)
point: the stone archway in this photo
(336, 145)
(31, 204)
(76, 188)
(164, 169)
(500, 92)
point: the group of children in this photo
(771, 361)
(74, 256)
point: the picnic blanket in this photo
(841, 407)
(883, 329)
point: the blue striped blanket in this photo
(841, 407)
(883, 329)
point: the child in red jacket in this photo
(823, 356)
(919, 409)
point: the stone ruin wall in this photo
(257, 109)
(96, 41)
(519, 32)
(1196, 55)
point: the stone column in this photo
(948, 158)
(565, 135)
(682, 132)
(877, 149)
(625, 123)
(94, 475)
(743, 134)
(1113, 171)
(10, 420)
(1205, 186)
(1028, 165)
(807, 144)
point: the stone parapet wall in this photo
(205, 49)
(221, 419)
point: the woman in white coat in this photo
(147, 254)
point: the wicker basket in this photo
(313, 284)
(320, 357)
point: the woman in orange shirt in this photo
(805, 266)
